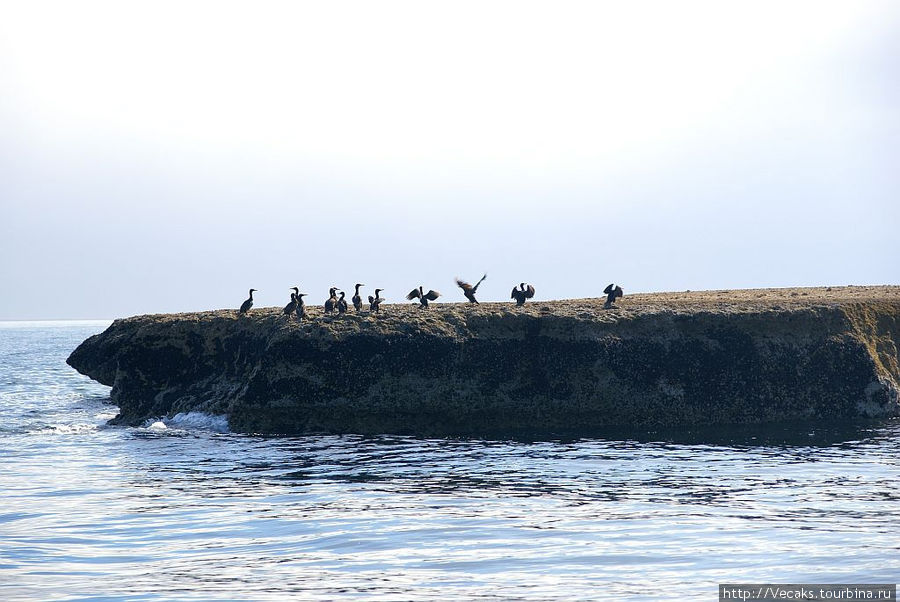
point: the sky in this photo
(167, 156)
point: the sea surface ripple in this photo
(183, 509)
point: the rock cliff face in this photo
(550, 367)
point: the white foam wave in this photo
(190, 421)
(67, 429)
(199, 421)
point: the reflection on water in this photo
(180, 511)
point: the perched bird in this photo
(357, 300)
(331, 302)
(522, 293)
(375, 302)
(301, 306)
(424, 297)
(342, 303)
(469, 290)
(292, 306)
(613, 292)
(246, 305)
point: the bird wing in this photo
(371, 299)
(513, 294)
(432, 295)
(608, 289)
(619, 291)
(529, 292)
(413, 294)
(475, 288)
(463, 285)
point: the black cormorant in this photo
(342, 303)
(375, 302)
(246, 305)
(301, 306)
(357, 300)
(613, 292)
(331, 302)
(522, 293)
(424, 297)
(292, 306)
(468, 289)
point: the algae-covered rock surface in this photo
(661, 359)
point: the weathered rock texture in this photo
(564, 366)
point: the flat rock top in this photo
(725, 300)
(764, 298)
(454, 317)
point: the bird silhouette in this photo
(522, 293)
(375, 302)
(246, 305)
(331, 302)
(301, 306)
(357, 300)
(613, 292)
(423, 297)
(292, 306)
(469, 290)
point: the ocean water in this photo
(183, 509)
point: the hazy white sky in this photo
(167, 156)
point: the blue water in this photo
(183, 509)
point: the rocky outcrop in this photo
(554, 367)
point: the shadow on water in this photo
(816, 433)
(777, 434)
(710, 466)
(684, 461)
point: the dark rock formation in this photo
(562, 367)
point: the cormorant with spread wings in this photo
(523, 292)
(469, 290)
(613, 292)
(423, 297)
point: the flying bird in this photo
(246, 305)
(469, 290)
(522, 293)
(423, 297)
